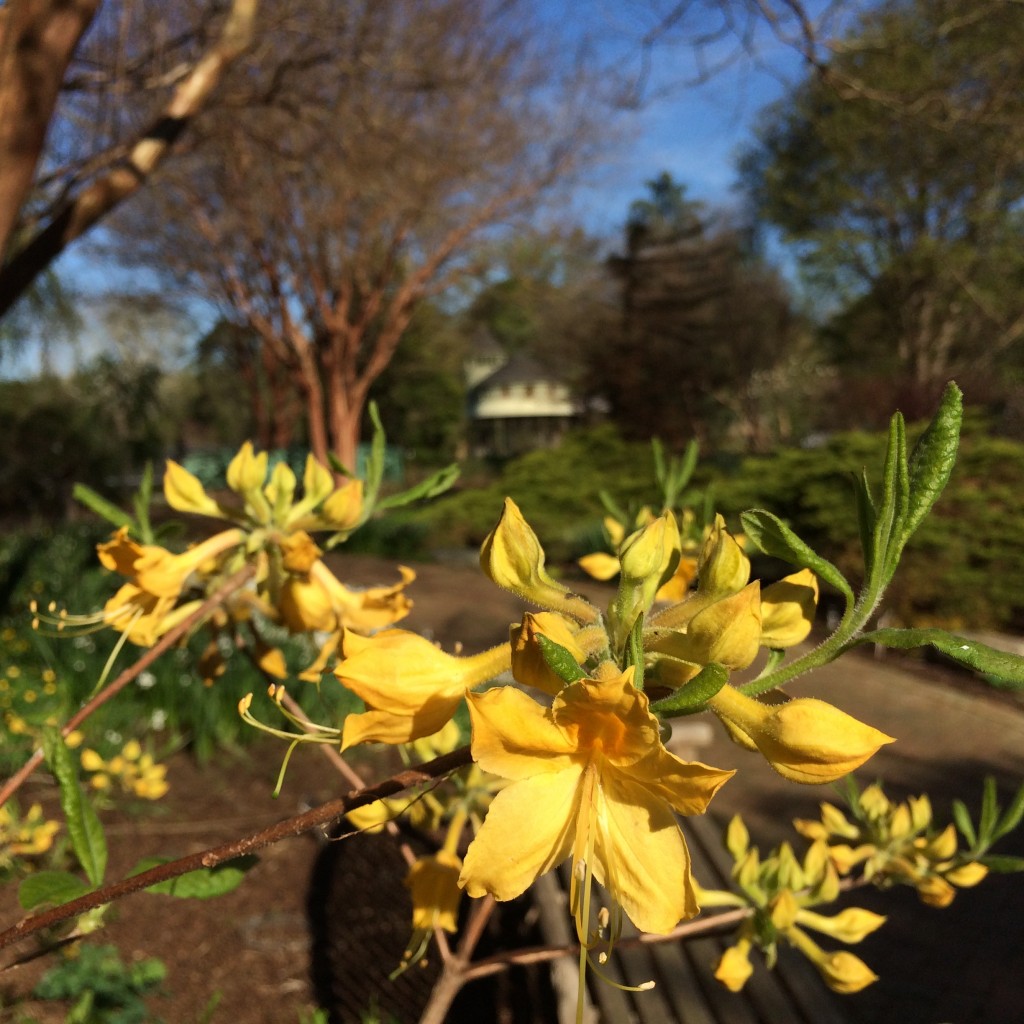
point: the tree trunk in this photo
(37, 41)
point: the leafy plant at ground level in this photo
(103, 988)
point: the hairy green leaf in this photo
(434, 485)
(774, 537)
(962, 818)
(83, 823)
(933, 457)
(1009, 668)
(1002, 864)
(1012, 818)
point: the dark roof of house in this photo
(520, 369)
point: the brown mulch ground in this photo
(254, 950)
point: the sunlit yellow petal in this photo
(787, 609)
(185, 493)
(641, 857)
(529, 829)
(515, 737)
(599, 565)
(688, 786)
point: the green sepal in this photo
(634, 652)
(559, 660)
(104, 509)
(54, 887)
(141, 501)
(772, 536)
(695, 694)
(203, 883)
(83, 823)
(932, 459)
(1007, 668)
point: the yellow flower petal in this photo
(688, 786)
(515, 737)
(528, 663)
(529, 829)
(641, 857)
(599, 565)
(787, 609)
(247, 471)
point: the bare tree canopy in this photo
(356, 156)
(128, 93)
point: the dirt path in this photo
(252, 948)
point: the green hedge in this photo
(964, 567)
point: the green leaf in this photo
(962, 818)
(989, 811)
(867, 517)
(616, 511)
(1009, 668)
(434, 485)
(103, 508)
(83, 823)
(201, 884)
(142, 500)
(695, 694)
(635, 651)
(54, 887)
(886, 547)
(774, 537)
(933, 457)
(375, 463)
(1002, 865)
(1012, 818)
(559, 660)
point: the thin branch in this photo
(318, 817)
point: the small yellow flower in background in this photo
(28, 836)
(434, 885)
(134, 771)
(591, 779)
(734, 967)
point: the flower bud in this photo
(344, 507)
(805, 740)
(968, 875)
(722, 568)
(434, 884)
(185, 493)
(935, 891)
(512, 557)
(850, 925)
(247, 471)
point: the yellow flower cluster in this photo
(896, 843)
(587, 776)
(270, 530)
(780, 890)
(27, 836)
(134, 771)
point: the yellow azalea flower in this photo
(734, 967)
(185, 493)
(317, 601)
(410, 687)
(805, 740)
(590, 779)
(434, 885)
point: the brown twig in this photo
(168, 640)
(325, 814)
